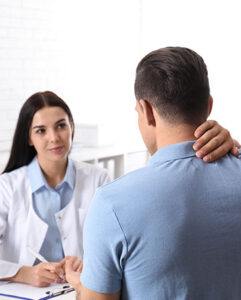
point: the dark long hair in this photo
(21, 152)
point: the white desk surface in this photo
(69, 296)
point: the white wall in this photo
(30, 57)
(211, 28)
(87, 51)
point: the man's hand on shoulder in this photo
(213, 141)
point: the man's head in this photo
(174, 80)
(172, 86)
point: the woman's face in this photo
(51, 134)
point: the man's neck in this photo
(173, 134)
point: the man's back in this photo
(168, 231)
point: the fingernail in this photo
(197, 133)
(196, 146)
(206, 158)
(199, 154)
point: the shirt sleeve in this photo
(105, 247)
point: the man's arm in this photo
(83, 293)
(87, 294)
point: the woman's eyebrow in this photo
(42, 126)
(61, 120)
(38, 126)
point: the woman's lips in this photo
(57, 149)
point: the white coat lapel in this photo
(36, 231)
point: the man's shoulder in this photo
(127, 182)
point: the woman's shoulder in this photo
(15, 176)
(89, 169)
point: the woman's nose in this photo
(53, 136)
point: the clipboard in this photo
(28, 292)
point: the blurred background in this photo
(87, 52)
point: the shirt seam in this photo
(168, 160)
(125, 238)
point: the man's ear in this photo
(210, 105)
(148, 112)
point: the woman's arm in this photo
(40, 275)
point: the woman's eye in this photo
(40, 131)
(62, 125)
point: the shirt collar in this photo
(37, 179)
(173, 152)
(70, 174)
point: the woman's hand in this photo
(40, 275)
(213, 141)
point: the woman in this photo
(44, 195)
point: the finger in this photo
(50, 276)
(77, 263)
(217, 153)
(43, 279)
(68, 266)
(204, 127)
(80, 268)
(236, 143)
(58, 270)
(50, 271)
(74, 260)
(235, 151)
(223, 139)
(206, 137)
(62, 262)
(212, 145)
(59, 280)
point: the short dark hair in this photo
(174, 80)
(21, 152)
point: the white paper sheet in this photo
(28, 291)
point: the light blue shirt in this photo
(171, 230)
(47, 202)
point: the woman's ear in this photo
(30, 142)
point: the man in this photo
(170, 230)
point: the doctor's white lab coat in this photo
(20, 225)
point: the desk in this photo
(69, 296)
(24, 291)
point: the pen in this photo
(36, 254)
(41, 258)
